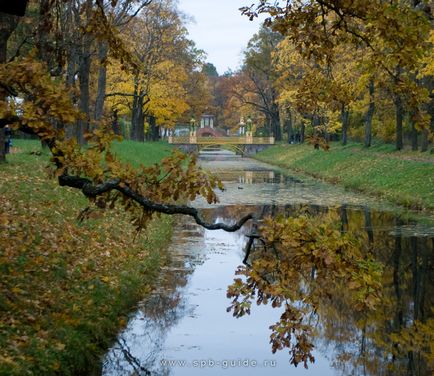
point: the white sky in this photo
(220, 30)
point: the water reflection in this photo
(396, 338)
(258, 177)
(185, 320)
(138, 349)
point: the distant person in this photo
(8, 139)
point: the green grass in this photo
(406, 178)
(67, 287)
(136, 153)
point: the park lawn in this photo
(66, 287)
(136, 153)
(405, 178)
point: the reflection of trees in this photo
(135, 363)
(397, 338)
(368, 226)
(307, 259)
(137, 351)
(393, 339)
(257, 177)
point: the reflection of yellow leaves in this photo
(319, 263)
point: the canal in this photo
(183, 328)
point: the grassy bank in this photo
(66, 287)
(406, 178)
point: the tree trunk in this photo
(4, 36)
(84, 76)
(399, 108)
(289, 128)
(115, 123)
(369, 115)
(141, 126)
(8, 23)
(133, 130)
(275, 126)
(2, 145)
(425, 141)
(425, 133)
(153, 128)
(399, 119)
(302, 130)
(42, 43)
(345, 117)
(139, 119)
(315, 122)
(414, 141)
(44, 27)
(102, 80)
(71, 57)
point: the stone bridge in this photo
(243, 145)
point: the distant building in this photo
(207, 121)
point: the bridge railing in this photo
(193, 140)
(179, 140)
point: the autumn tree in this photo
(198, 96)
(260, 91)
(296, 250)
(8, 23)
(394, 34)
(157, 90)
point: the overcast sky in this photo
(219, 29)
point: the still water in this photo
(183, 327)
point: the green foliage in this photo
(210, 70)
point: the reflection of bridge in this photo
(244, 145)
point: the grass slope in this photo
(139, 153)
(66, 287)
(406, 178)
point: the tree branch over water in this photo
(90, 190)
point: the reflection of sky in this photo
(244, 178)
(201, 329)
(186, 318)
(247, 182)
(212, 333)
